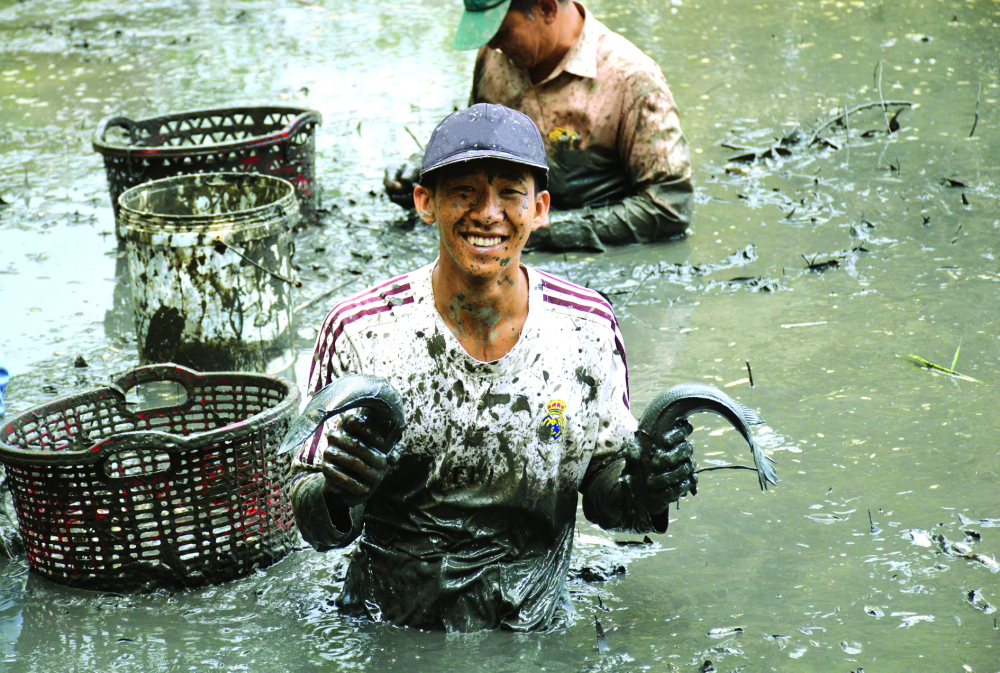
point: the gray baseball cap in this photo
(486, 131)
(480, 22)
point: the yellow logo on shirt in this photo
(555, 419)
(566, 137)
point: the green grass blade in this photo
(938, 368)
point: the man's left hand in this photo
(399, 180)
(664, 472)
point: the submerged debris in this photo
(910, 618)
(873, 611)
(875, 529)
(755, 283)
(977, 601)
(598, 571)
(722, 632)
(850, 647)
(938, 368)
(778, 639)
(962, 550)
(645, 541)
(795, 140)
(985, 523)
(602, 641)
(819, 267)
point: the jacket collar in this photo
(581, 59)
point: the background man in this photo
(516, 395)
(620, 171)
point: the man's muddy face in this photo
(484, 210)
(524, 40)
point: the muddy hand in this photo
(673, 464)
(664, 473)
(354, 463)
(400, 179)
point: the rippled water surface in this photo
(854, 561)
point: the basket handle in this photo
(301, 119)
(137, 442)
(187, 378)
(108, 122)
(294, 125)
(156, 373)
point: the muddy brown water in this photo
(853, 427)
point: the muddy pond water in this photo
(816, 265)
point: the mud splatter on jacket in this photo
(472, 526)
(618, 160)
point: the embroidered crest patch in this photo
(555, 418)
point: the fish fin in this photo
(749, 415)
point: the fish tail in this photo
(766, 472)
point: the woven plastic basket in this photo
(278, 141)
(111, 498)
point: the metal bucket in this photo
(210, 261)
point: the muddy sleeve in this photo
(608, 499)
(323, 519)
(658, 212)
(610, 502)
(655, 154)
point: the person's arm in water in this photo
(655, 153)
(329, 492)
(336, 471)
(631, 489)
(628, 485)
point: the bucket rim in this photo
(288, 186)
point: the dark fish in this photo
(349, 392)
(686, 399)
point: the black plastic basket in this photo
(278, 141)
(116, 499)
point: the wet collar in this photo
(581, 59)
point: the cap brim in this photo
(472, 155)
(477, 28)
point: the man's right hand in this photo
(400, 179)
(354, 463)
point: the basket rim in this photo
(165, 441)
(288, 197)
(304, 116)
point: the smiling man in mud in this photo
(620, 168)
(515, 390)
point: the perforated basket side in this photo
(274, 141)
(141, 517)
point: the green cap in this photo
(480, 22)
